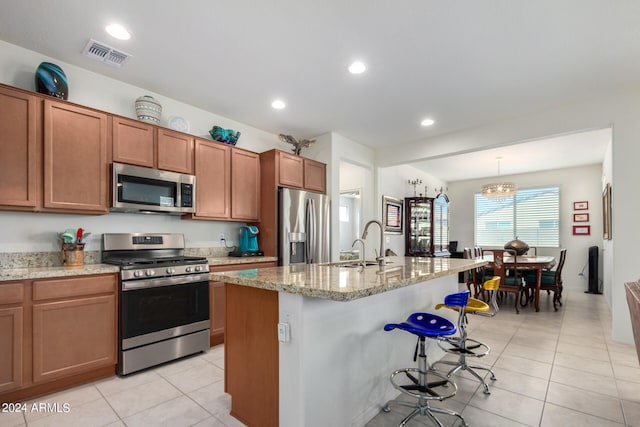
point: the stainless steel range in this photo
(163, 307)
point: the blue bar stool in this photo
(462, 345)
(422, 382)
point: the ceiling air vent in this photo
(104, 53)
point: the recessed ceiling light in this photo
(427, 122)
(278, 104)
(118, 31)
(357, 68)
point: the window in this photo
(532, 215)
(344, 213)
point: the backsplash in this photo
(41, 259)
(54, 259)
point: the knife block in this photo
(72, 254)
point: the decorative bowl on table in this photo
(519, 246)
(227, 136)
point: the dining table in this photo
(537, 263)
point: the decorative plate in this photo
(178, 123)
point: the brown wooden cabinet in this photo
(144, 144)
(281, 169)
(11, 335)
(133, 142)
(60, 332)
(315, 176)
(75, 159)
(19, 145)
(74, 326)
(290, 170)
(217, 298)
(175, 151)
(227, 182)
(245, 185)
(213, 180)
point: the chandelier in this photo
(499, 190)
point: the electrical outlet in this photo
(284, 332)
(222, 236)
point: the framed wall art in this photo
(606, 212)
(580, 217)
(580, 206)
(392, 215)
(581, 230)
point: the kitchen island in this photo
(330, 365)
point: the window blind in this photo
(532, 215)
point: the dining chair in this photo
(550, 281)
(510, 280)
(474, 276)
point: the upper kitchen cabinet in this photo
(213, 176)
(289, 170)
(133, 142)
(175, 151)
(227, 182)
(75, 159)
(19, 144)
(143, 144)
(245, 185)
(315, 176)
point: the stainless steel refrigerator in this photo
(303, 227)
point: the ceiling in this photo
(462, 63)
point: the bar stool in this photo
(425, 325)
(462, 345)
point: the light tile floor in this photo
(553, 368)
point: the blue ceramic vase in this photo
(51, 80)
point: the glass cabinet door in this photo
(419, 230)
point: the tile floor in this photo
(553, 368)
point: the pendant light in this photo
(499, 190)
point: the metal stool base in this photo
(468, 347)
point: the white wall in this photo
(24, 232)
(393, 181)
(576, 184)
(618, 111)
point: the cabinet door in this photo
(291, 169)
(315, 176)
(217, 312)
(75, 158)
(18, 145)
(174, 151)
(213, 175)
(133, 142)
(419, 226)
(245, 185)
(11, 349)
(73, 336)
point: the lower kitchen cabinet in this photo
(216, 312)
(217, 298)
(60, 332)
(11, 335)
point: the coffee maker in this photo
(248, 242)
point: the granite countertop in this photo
(28, 273)
(340, 283)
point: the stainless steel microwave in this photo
(139, 189)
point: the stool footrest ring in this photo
(424, 389)
(471, 348)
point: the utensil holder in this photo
(72, 254)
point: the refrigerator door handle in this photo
(310, 224)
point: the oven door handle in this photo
(164, 281)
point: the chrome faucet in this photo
(361, 260)
(380, 256)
